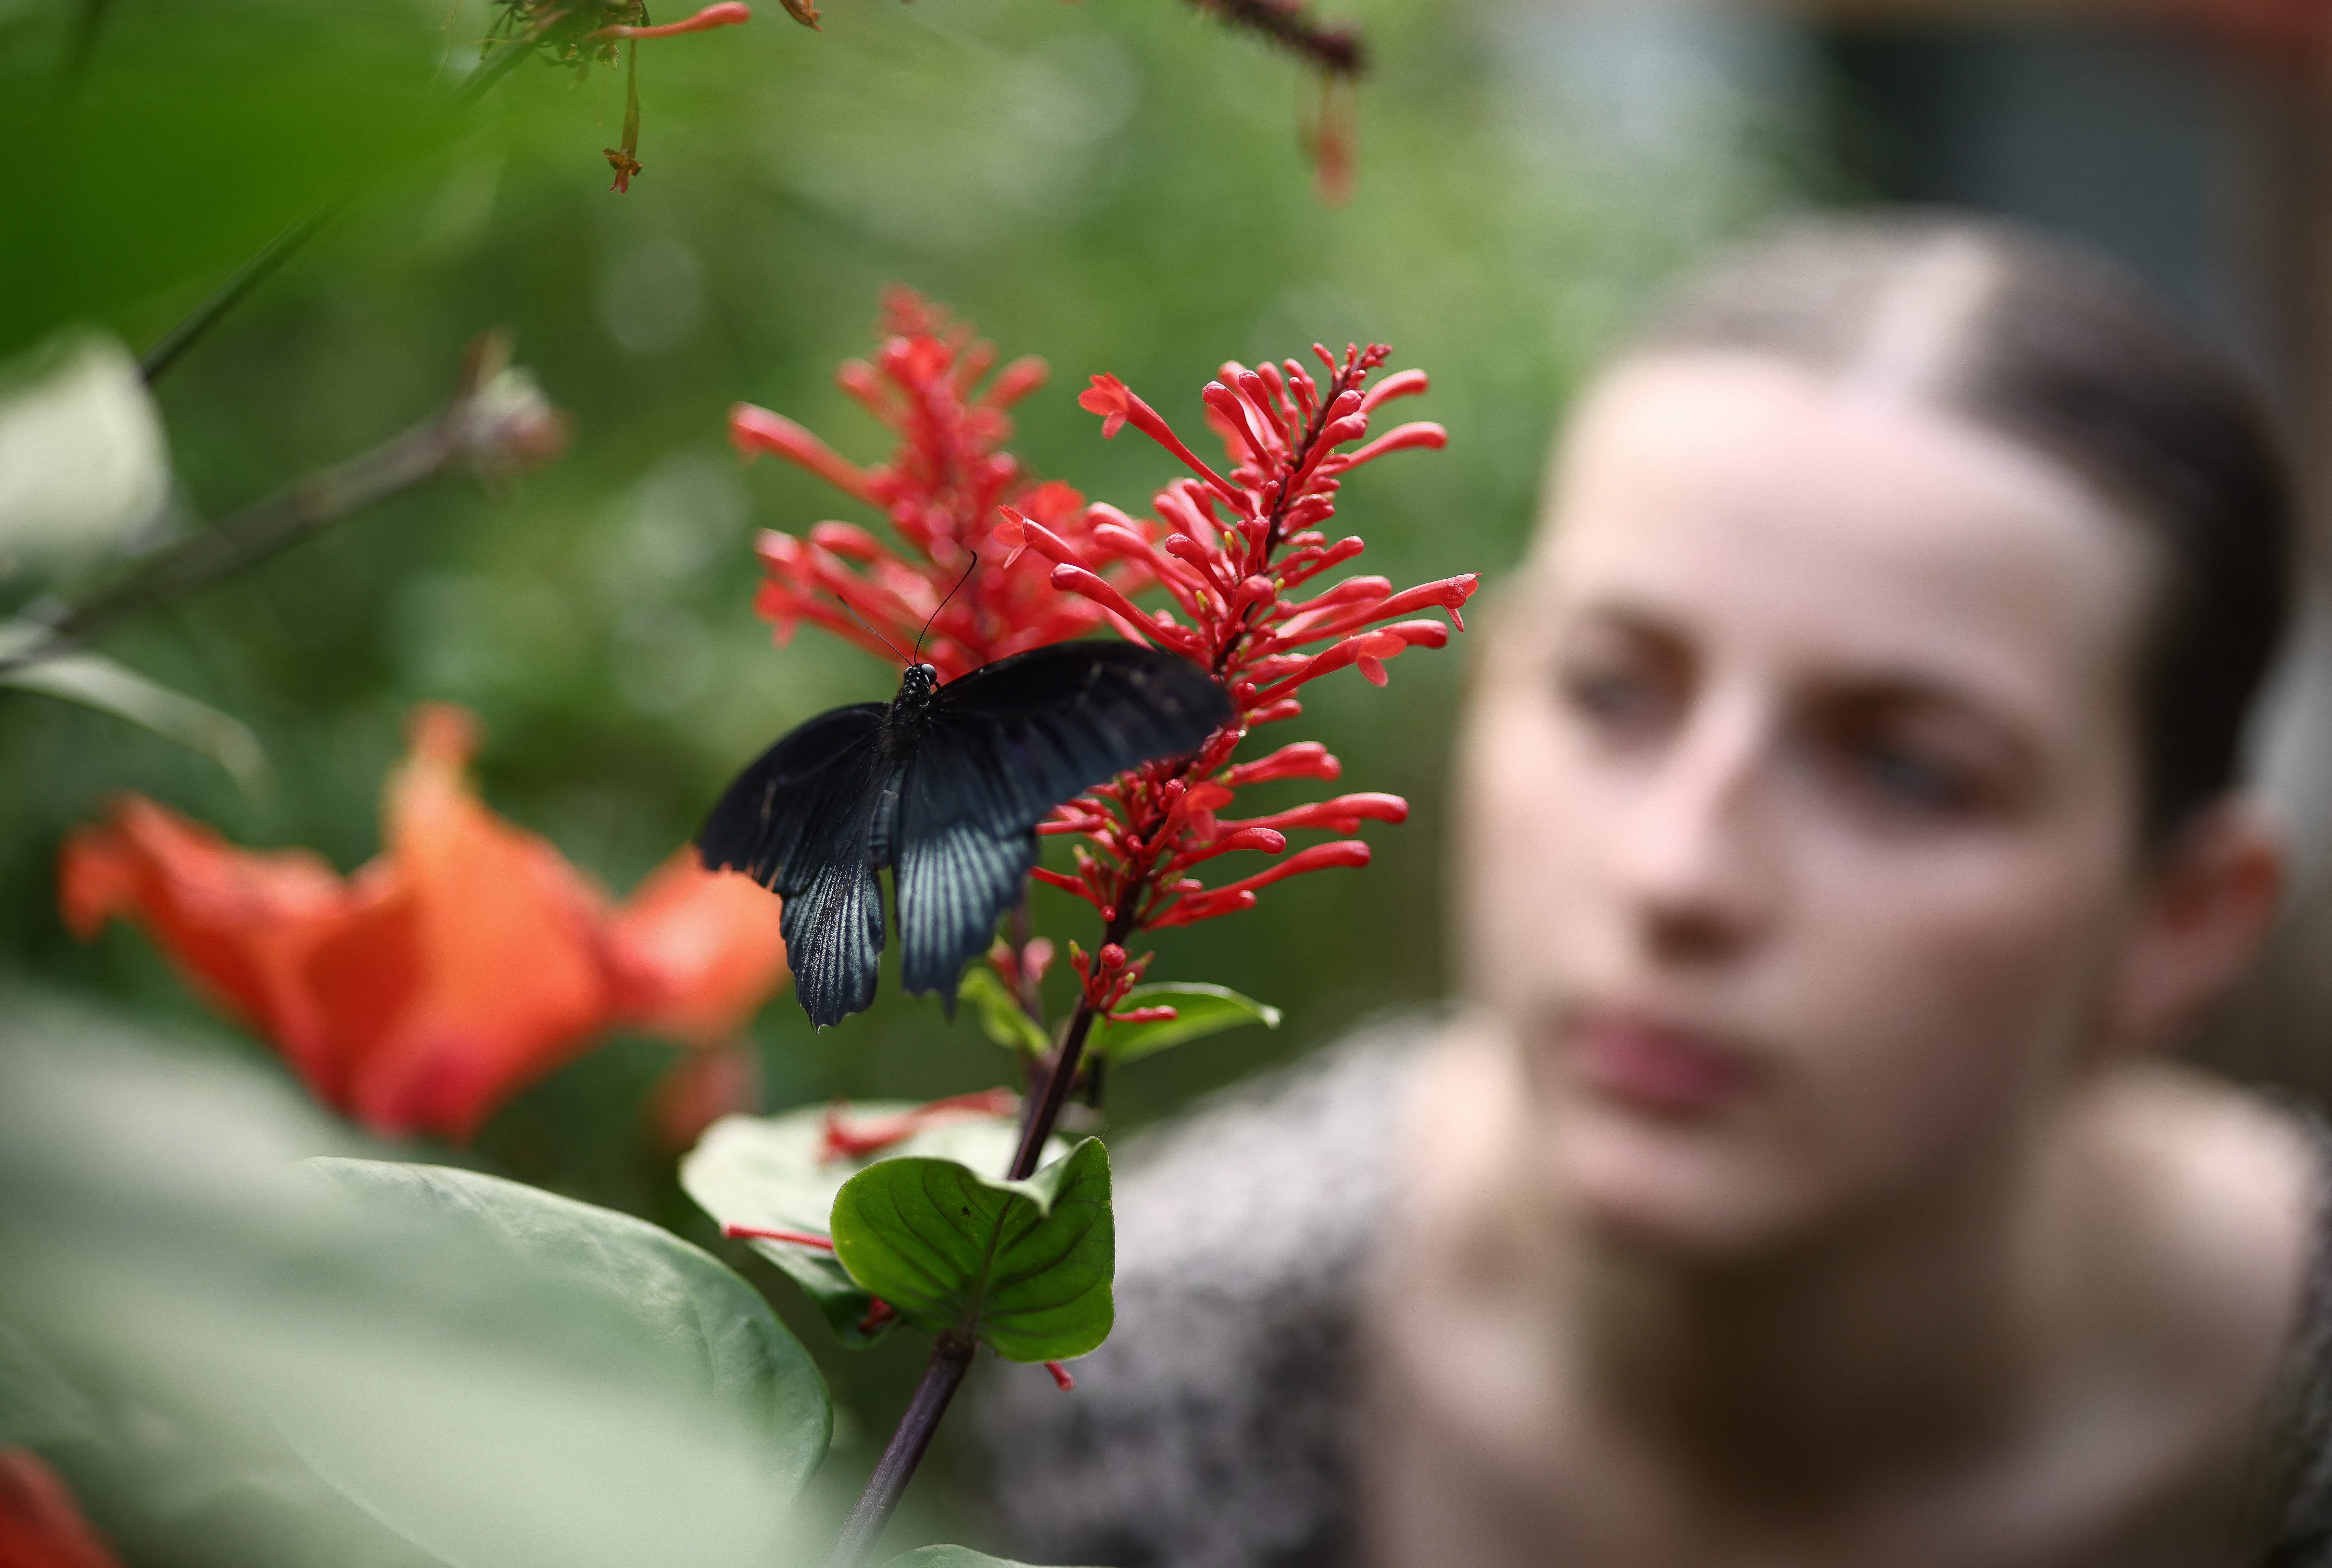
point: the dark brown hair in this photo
(2065, 354)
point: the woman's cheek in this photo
(1520, 860)
(1940, 1005)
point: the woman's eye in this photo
(1907, 779)
(1611, 698)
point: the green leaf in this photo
(1001, 1017)
(688, 1316)
(1024, 1267)
(37, 1405)
(1199, 1010)
(389, 1368)
(948, 1557)
(97, 682)
(767, 1173)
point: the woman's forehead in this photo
(1751, 502)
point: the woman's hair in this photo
(2067, 355)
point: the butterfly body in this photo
(943, 786)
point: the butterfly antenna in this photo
(943, 604)
(879, 637)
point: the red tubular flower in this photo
(727, 14)
(1235, 549)
(949, 491)
(847, 1140)
(1231, 550)
(464, 962)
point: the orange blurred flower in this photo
(465, 961)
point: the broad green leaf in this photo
(37, 1405)
(402, 1372)
(97, 682)
(1001, 1017)
(690, 1310)
(1199, 1010)
(950, 1557)
(769, 1173)
(1024, 1267)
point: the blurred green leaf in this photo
(685, 1306)
(1024, 1267)
(950, 1557)
(37, 1405)
(769, 1173)
(1001, 1017)
(1199, 1010)
(465, 1384)
(94, 681)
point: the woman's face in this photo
(1799, 797)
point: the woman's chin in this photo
(1693, 1191)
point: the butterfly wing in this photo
(1006, 744)
(800, 821)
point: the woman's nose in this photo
(1696, 869)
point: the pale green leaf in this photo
(83, 457)
(770, 1173)
(950, 1557)
(97, 682)
(1002, 1018)
(1199, 1010)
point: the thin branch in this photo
(174, 343)
(1336, 49)
(190, 330)
(495, 422)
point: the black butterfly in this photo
(945, 785)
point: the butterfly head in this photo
(919, 683)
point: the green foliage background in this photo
(1116, 184)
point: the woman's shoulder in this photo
(1210, 1426)
(2223, 1233)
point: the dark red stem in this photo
(942, 1375)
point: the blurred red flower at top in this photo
(930, 384)
(465, 961)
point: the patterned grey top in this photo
(1211, 1430)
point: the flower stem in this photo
(951, 1355)
(471, 427)
(942, 1375)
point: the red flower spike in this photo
(798, 1237)
(1233, 547)
(1061, 1376)
(846, 1140)
(947, 491)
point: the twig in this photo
(496, 422)
(1337, 50)
(175, 342)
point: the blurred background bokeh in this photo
(1117, 185)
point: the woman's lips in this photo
(1658, 1066)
